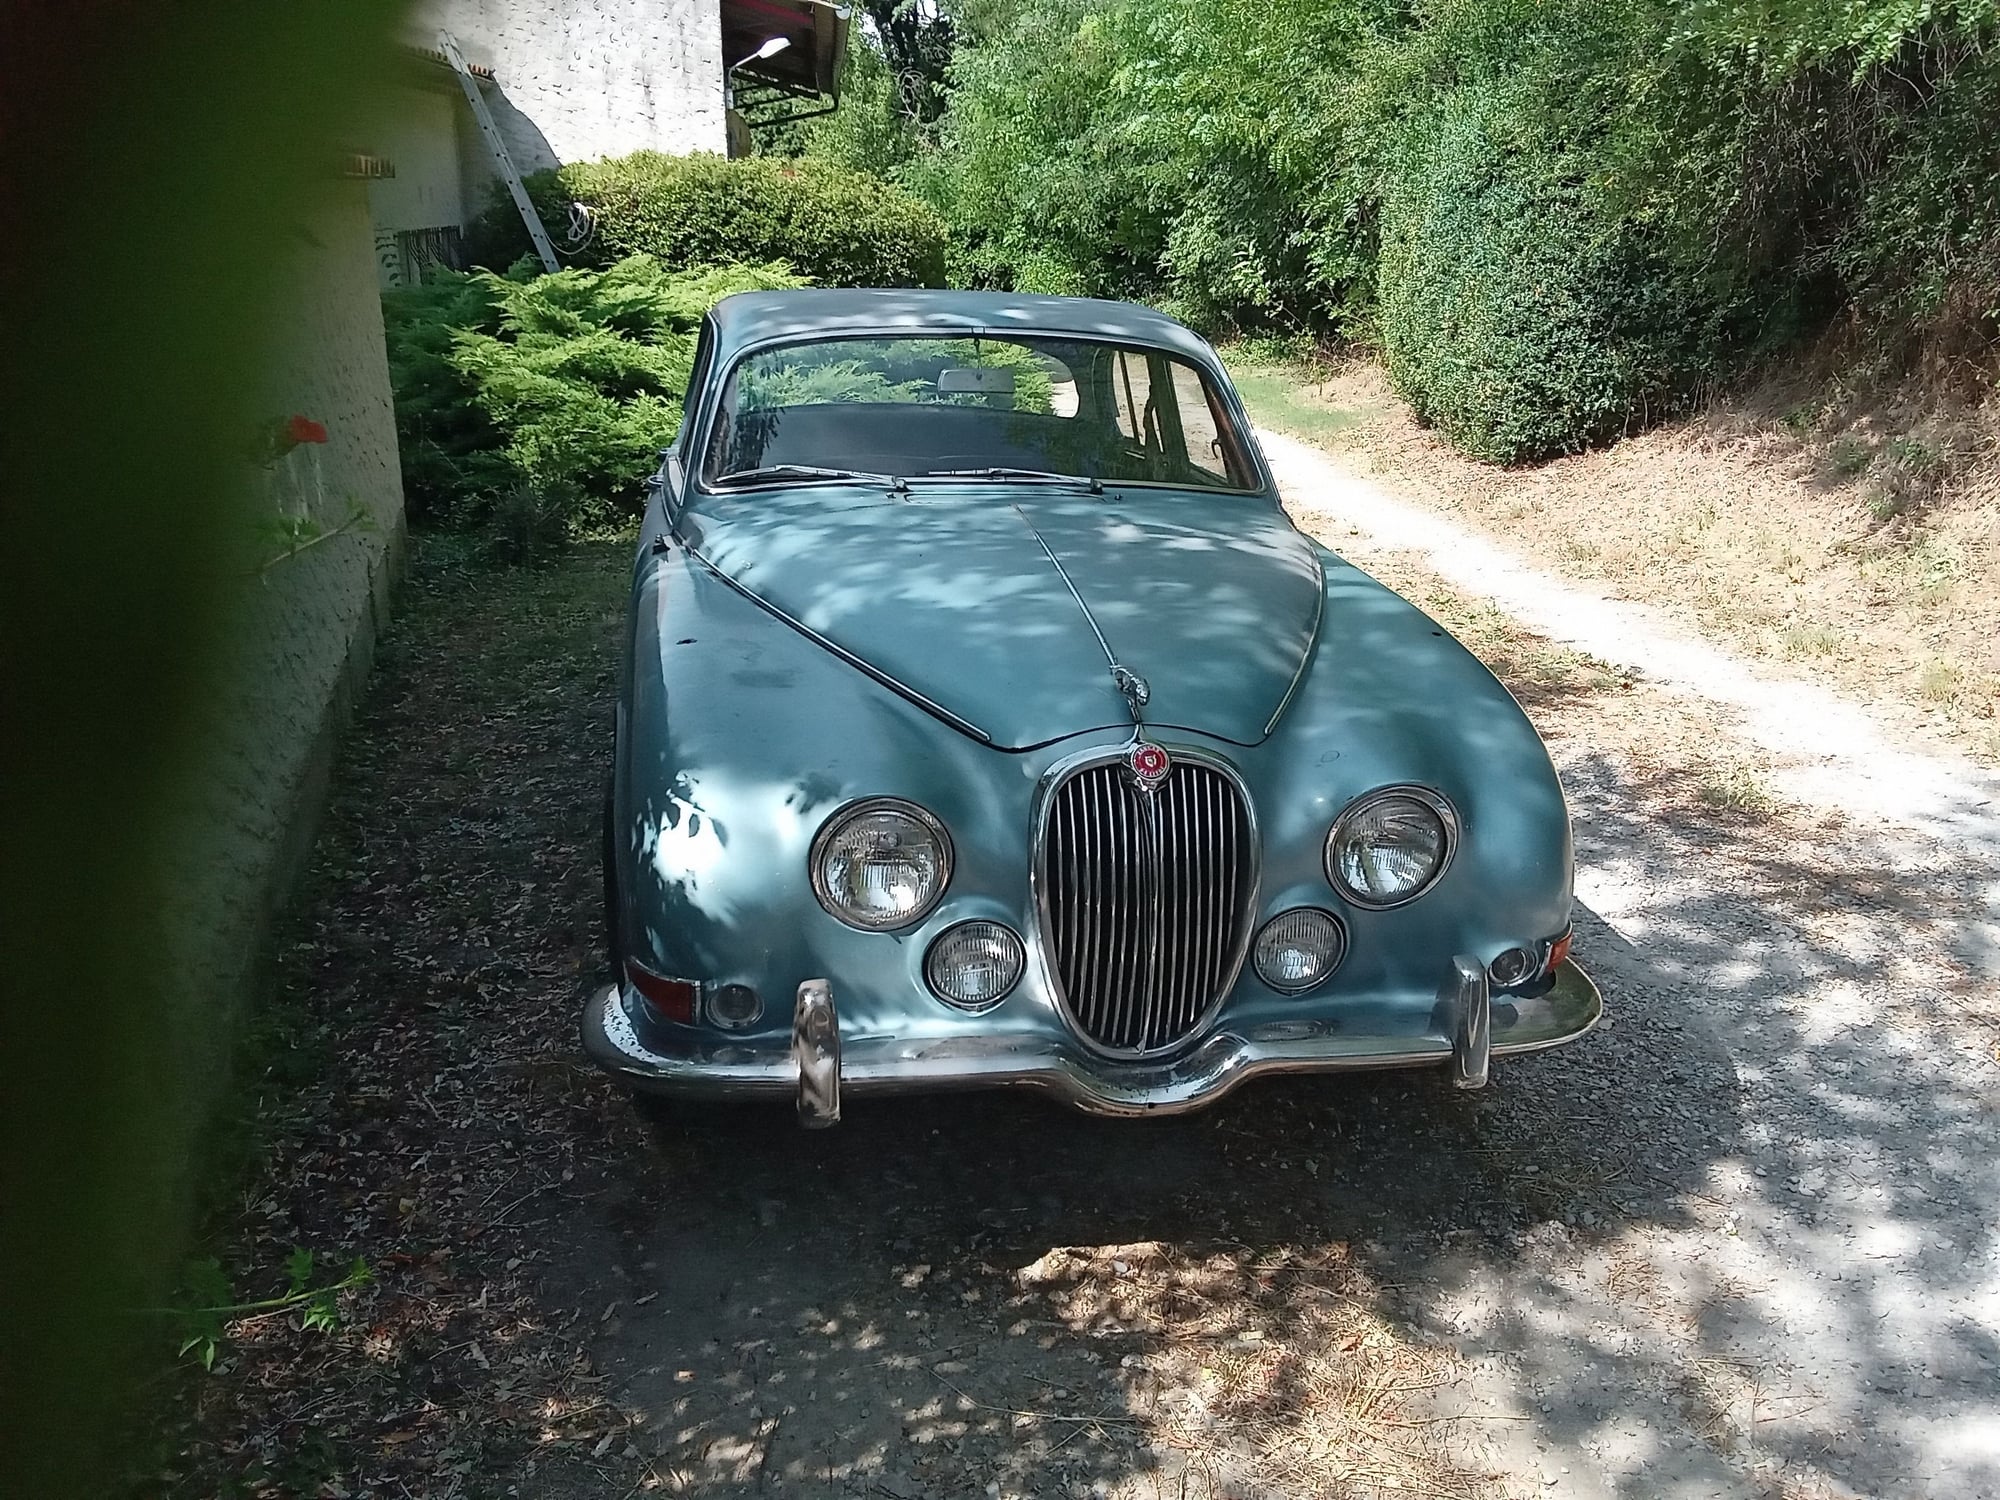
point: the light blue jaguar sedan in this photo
(985, 722)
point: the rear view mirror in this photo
(976, 382)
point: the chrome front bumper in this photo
(819, 1065)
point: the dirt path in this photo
(1820, 1312)
(1826, 751)
(1739, 1243)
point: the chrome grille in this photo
(1145, 900)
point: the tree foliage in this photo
(1555, 214)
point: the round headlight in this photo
(1297, 949)
(1390, 846)
(880, 864)
(974, 964)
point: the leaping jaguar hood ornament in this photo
(1137, 691)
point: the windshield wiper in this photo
(1089, 481)
(806, 472)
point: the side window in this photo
(704, 350)
(1166, 411)
(1132, 400)
(1201, 433)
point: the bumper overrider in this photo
(1469, 1026)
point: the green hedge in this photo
(831, 225)
(551, 393)
(1514, 316)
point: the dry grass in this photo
(1731, 785)
(1843, 534)
(1534, 667)
(1571, 693)
(1272, 1368)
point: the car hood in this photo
(989, 603)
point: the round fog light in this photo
(1297, 949)
(974, 964)
(1512, 966)
(734, 1006)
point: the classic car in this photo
(984, 721)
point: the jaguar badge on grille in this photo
(1149, 765)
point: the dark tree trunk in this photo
(917, 40)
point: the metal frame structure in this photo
(807, 71)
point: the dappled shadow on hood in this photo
(989, 599)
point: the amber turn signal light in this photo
(1559, 950)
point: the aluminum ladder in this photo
(448, 45)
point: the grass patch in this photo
(1807, 641)
(1539, 672)
(1847, 459)
(1909, 475)
(1940, 681)
(1284, 398)
(1847, 455)
(1734, 787)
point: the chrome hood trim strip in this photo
(902, 689)
(1133, 688)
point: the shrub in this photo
(831, 225)
(549, 395)
(448, 444)
(1515, 316)
(1672, 188)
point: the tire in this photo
(609, 856)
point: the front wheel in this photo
(610, 857)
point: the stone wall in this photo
(313, 591)
(320, 607)
(416, 125)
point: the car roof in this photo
(749, 318)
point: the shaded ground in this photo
(420, 1103)
(1740, 1242)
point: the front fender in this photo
(1389, 697)
(739, 737)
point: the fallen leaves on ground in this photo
(418, 1097)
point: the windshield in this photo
(1024, 409)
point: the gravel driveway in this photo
(1794, 1288)
(1738, 1242)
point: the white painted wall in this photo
(417, 128)
(582, 79)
